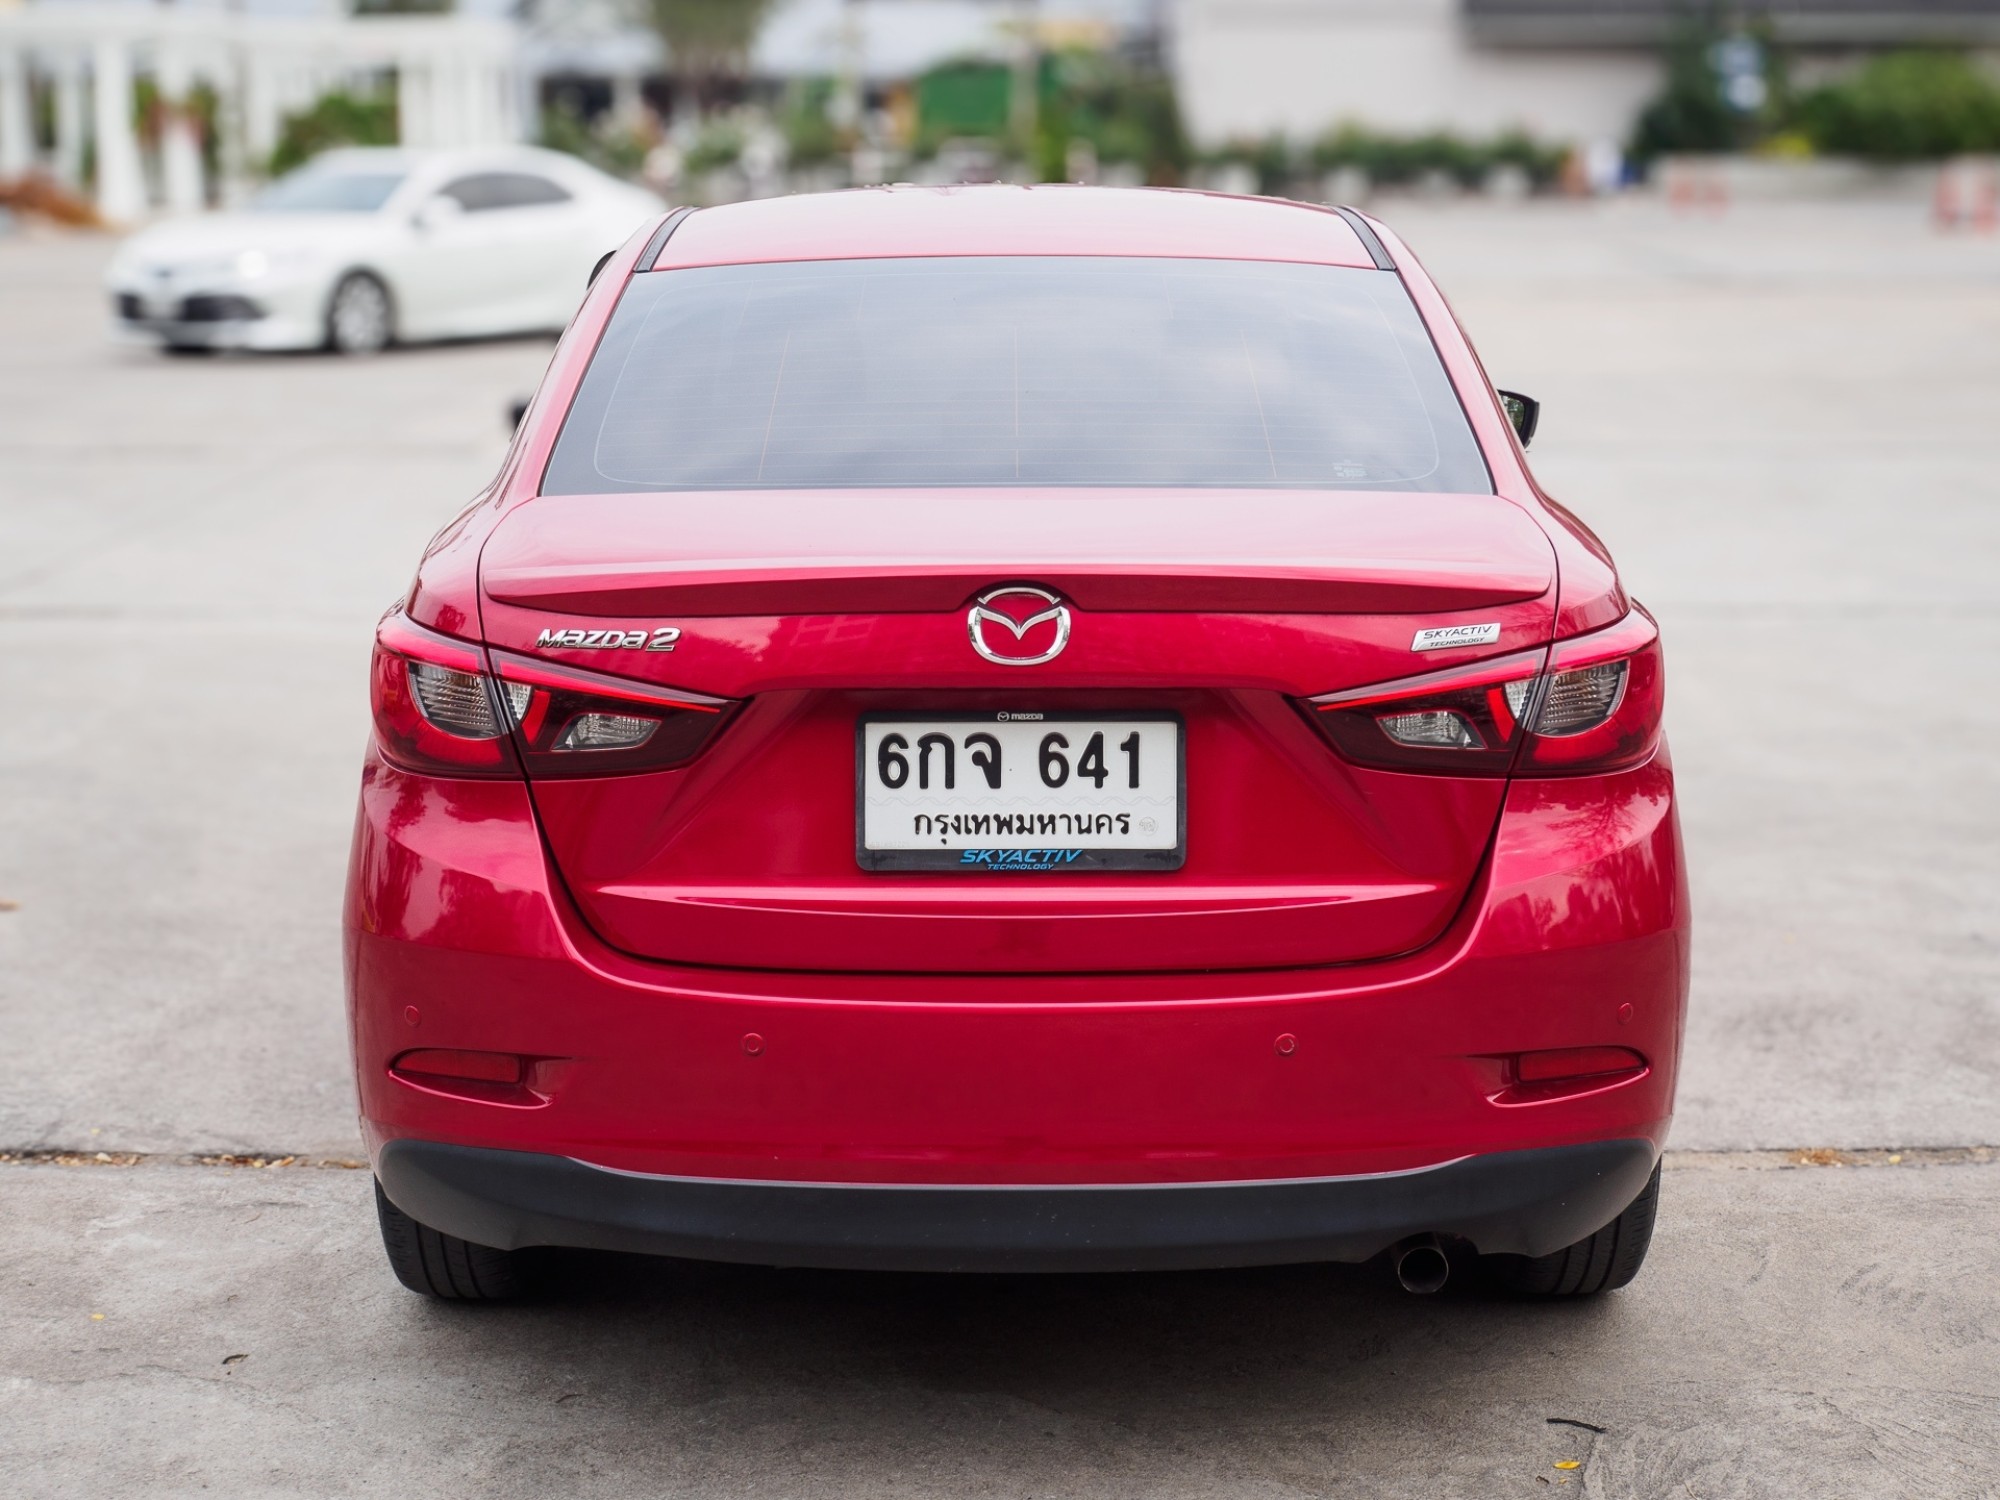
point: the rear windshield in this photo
(1015, 370)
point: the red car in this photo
(1018, 729)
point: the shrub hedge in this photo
(1904, 106)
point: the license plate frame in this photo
(1075, 853)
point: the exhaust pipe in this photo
(1421, 1265)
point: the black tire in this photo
(360, 315)
(443, 1265)
(187, 351)
(1601, 1262)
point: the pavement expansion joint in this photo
(1829, 1156)
(60, 1157)
(1743, 1160)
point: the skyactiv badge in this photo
(1440, 637)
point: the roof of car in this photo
(997, 219)
(409, 159)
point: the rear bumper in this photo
(459, 936)
(1517, 1202)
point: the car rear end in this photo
(1016, 731)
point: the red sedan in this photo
(1018, 729)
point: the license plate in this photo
(1022, 793)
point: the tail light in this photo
(436, 709)
(1601, 702)
(1585, 705)
(449, 708)
(1465, 720)
(577, 723)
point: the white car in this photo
(367, 247)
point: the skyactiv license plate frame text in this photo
(1020, 791)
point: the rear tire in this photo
(442, 1265)
(360, 318)
(1601, 1262)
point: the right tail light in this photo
(1589, 704)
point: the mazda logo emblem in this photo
(1018, 626)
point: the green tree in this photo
(810, 135)
(708, 41)
(1689, 113)
(1905, 106)
(1396, 159)
(1124, 109)
(336, 119)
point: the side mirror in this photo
(1525, 412)
(438, 212)
(517, 413)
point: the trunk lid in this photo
(819, 607)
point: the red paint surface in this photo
(1055, 219)
(834, 551)
(1409, 932)
(995, 1079)
(1293, 857)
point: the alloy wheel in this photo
(358, 320)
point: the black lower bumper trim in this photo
(1512, 1202)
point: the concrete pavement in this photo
(1781, 421)
(192, 554)
(1824, 1332)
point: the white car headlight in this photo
(254, 264)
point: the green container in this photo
(968, 98)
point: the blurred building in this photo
(175, 105)
(898, 39)
(217, 82)
(1567, 70)
(594, 49)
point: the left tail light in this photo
(1589, 704)
(449, 708)
(577, 723)
(1602, 701)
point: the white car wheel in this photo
(359, 319)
